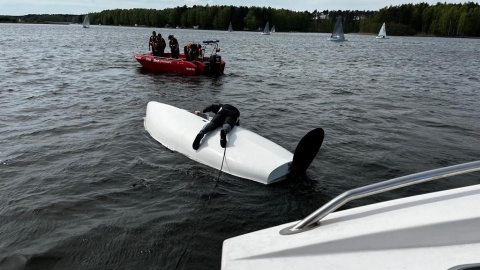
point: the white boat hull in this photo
(336, 39)
(432, 231)
(248, 155)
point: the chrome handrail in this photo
(312, 221)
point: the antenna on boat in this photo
(306, 151)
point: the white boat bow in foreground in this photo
(432, 231)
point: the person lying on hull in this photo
(226, 117)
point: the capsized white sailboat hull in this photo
(248, 155)
(431, 231)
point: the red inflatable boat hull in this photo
(181, 65)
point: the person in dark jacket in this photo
(191, 51)
(226, 117)
(160, 46)
(173, 43)
(152, 43)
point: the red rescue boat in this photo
(187, 63)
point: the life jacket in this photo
(173, 43)
(161, 42)
(193, 50)
(152, 40)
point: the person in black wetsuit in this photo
(173, 43)
(152, 43)
(226, 117)
(160, 46)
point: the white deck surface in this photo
(432, 231)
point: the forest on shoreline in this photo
(441, 19)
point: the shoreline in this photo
(144, 26)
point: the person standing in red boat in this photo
(192, 51)
(152, 43)
(173, 46)
(226, 117)
(160, 46)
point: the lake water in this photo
(84, 186)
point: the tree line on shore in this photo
(441, 19)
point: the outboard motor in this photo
(215, 65)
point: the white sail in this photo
(266, 30)
(383, 32)
(273, 29)
(230, 29)
(86, 22)
(337, 34)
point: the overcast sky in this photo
(23, 7)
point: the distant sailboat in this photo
(337, 34)
(266, 30)
(273, 29)
(230, 28)
(382, 34)
(86, 22)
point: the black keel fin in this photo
(306, 151)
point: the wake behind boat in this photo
(248, 155)
(211, 65)
(431, 231)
